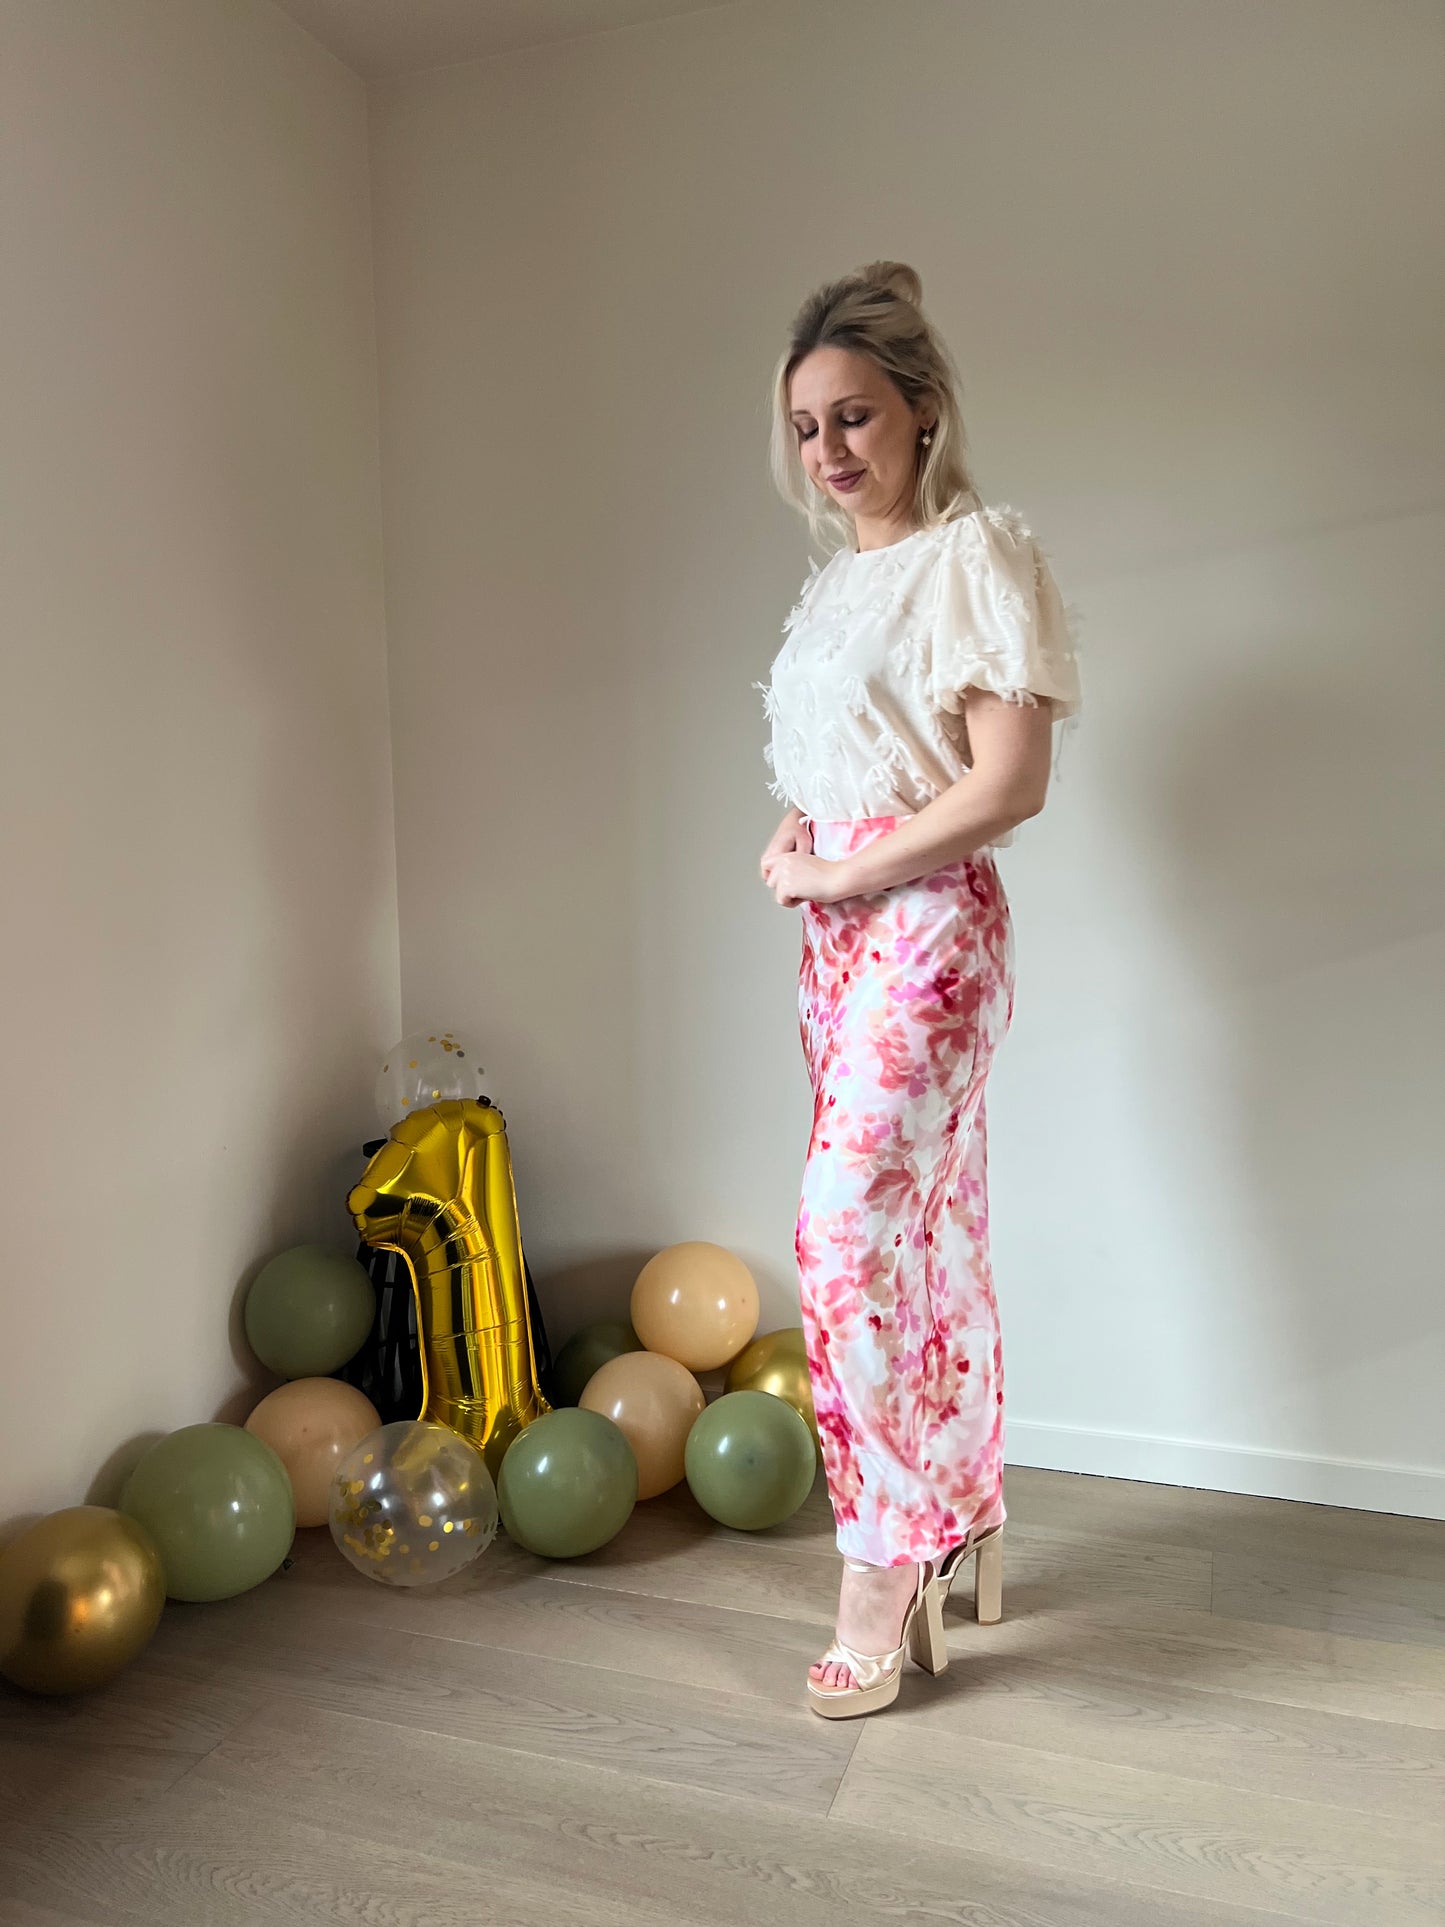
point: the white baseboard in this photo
(1414, 1490)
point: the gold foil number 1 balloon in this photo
(440, 1191)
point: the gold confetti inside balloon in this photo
(696, 1302)
(413, 1504)
(427, 1068)
(778, 1363)
(440, 1192)
(81, 1592)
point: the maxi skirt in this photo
(903, 996)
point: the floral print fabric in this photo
(903, 997)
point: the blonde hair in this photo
(876, 311)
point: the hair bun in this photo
(895, 277)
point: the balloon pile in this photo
(211, 1510)
(749, 1457)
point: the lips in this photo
(846, 479)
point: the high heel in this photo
(987, 1573)
(876, 1676)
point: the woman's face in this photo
(851, 421)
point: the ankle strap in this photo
(862, 1565)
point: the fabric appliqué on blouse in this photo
(867, 695)
(908, 656)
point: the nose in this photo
(833, 450)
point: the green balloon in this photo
(217, 1501)
(586, 1352)
(568, 1483)
(750, 1460)
(308, 1311)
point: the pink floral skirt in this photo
(903, 997)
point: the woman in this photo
(911, 711)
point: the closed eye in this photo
(847, 421)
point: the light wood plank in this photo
(1329, 1597)
(15, 1912)
(729, 1862)
(163, 1703)
(1181, 1515)
(203, 1857)
(61, 1778)
(566, 1709)
(1368, 1679)
(1166, 1725)
(665, 1552)
(761, 1656)
(1180, 1834)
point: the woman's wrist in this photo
(917, 848)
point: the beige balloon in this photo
(311, 1424)
(696, 1302)
(653, 1401)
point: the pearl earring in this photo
(927, 436)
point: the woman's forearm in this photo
(970, 813)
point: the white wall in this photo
(1181, 253)
(200, 952)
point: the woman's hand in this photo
(793, 873)
(791, 834)
(796, 877)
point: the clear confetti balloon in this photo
(413, 1504)
(425, 1068)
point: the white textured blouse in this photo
(867, 693)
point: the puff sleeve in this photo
(999, 622)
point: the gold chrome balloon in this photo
(778, 1363)
(440, 1192)
(81, 1592)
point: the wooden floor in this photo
(1197, 1708)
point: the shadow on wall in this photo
(592, 1289)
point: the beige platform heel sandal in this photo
(987, 1573)
(877, 1676)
